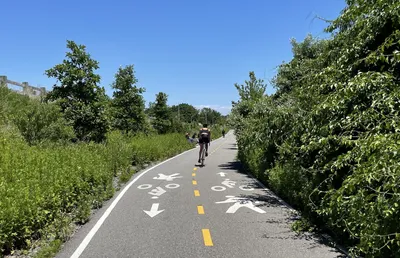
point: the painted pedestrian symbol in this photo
(167, 178)
(158, 191)
(239, 202)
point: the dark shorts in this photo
(204, 140)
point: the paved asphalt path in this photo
(178, 209)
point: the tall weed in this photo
(40, 185)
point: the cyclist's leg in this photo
(207, 143)
(201, 143)
(200, 149)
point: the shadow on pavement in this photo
(266, 198)
(313, 240)
(233, 165)
(232, 148)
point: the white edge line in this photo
(98, 224)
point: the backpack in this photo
(204, 132)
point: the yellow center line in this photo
(196, 193)
(194, 182)
(193, 174)
(207, 237)
(200, 209)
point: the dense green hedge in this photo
(328, 140)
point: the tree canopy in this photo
(128, 102)
(80, 97)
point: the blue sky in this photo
(193, 50)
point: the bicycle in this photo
(203, 153)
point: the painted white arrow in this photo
(154, 210)
(222, 174)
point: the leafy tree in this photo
(210, 116)
(150, 110)
(253, 89)
(81, 99)
(185, 112)
(128, 103)
(162, 113)
(297, 72)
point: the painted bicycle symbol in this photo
(227, 183)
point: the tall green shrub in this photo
(327, 140)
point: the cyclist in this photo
(204, 137)
(223, 132)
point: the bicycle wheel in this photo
(203, 153)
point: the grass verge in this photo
(46, 188)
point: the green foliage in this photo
(180, 118)
(189, 114)
(50, 250)
(37, 122)
(162, 114)
(81, 99)
(185, 112)
(250, 93)
(41, 122)
(327, 140)
(253, 89)
(48, 180)
(40, 185)
(209, 116)
(128, 103)
(10, 104)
